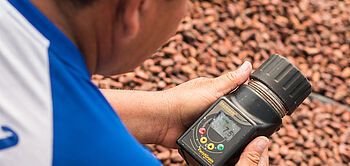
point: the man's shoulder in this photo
(25, 98)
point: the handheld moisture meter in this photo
(220, 135)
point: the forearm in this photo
(145, 114)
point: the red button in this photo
(202, 131)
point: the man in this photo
(52, 114)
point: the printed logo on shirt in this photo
(8, 138)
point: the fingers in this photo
(255, 154)
(229, 81)
(264, 158)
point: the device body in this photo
(229, 125)
(220, 135)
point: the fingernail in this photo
(262, 144)
(245, 66)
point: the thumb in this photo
(253, 153)
(229, 81)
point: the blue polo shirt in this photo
(50, 111)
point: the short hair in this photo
(81, 3)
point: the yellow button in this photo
(204, 140)
(211, 146)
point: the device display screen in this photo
(224, 126)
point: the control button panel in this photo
(212, 137)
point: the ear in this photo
(131, 17)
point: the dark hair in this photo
(81, 3)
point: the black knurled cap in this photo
(285, 80)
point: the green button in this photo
(220, 147)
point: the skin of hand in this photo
(256, 153)
(191, 99)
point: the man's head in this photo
(115, 35)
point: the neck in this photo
(69, 20)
